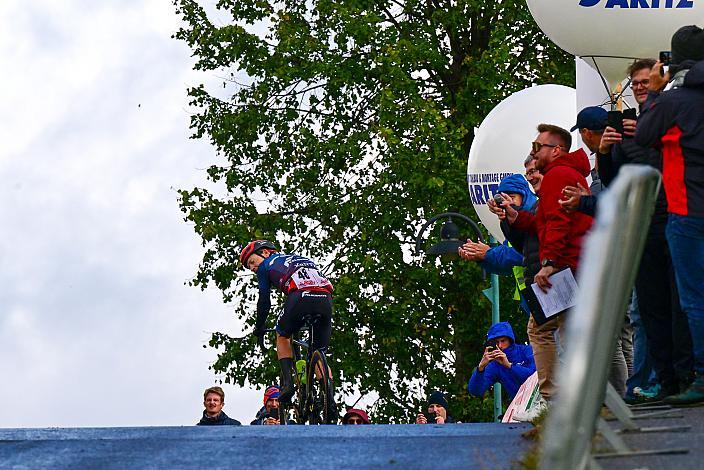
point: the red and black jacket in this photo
(674, 121)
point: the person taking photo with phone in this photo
(269, 413)
(673, 121)
(503, 361)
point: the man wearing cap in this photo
(268, 414)
(591, 122)
(437, 409)
(674, 121)
(356, 416)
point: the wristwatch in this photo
(547, 262)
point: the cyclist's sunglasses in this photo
(536, 146)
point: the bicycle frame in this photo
(304, 405)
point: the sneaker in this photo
(693, 396)
(657, 393)
(531, 414)
(648, 392)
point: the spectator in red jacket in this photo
(559, 235)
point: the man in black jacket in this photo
(214, 400)
(667, 331)
(674, 121)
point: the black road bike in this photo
(313, 401)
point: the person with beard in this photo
(559, 235)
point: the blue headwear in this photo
(517, 184)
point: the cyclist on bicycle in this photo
(309, 298)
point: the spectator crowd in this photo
(545, 215)
(660, 352)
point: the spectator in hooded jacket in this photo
(271, 402)
(502, 258)
(508, 363)
(674, 121)
(356, 416)
(214, 400)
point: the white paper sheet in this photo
(562, 295)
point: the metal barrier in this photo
(610, 258)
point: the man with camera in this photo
(591, 123)
(503, 258)
(504, 361)
(269, 413)
(437, 411)
(674, 121)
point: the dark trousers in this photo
(664, 322)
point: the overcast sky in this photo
(97, 327)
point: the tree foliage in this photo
(348, 125)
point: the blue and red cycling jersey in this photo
(289, 273)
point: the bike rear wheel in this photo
(322, 408)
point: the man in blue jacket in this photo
(503, 361)
(502, 258)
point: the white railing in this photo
(609, 263)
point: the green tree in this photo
(348, 125)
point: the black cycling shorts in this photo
(312, 306)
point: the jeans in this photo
(685, 234)
(665, 323)
(642, 375)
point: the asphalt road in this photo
(478, 445)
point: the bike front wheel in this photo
(320, 391)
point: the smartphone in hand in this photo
(615, 120)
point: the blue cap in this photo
(593, 118)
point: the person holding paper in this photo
(559, 235)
